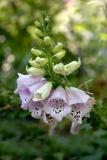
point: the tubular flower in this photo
(27, 80)
(36, 109)
(80, 103)
(43, 92)
(57, 105)
(26, 86)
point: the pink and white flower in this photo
(81, 105)
(57, 105)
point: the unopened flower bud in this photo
(47, 41)
(35, 71)
(33, 63)
(60, 54)
(71, 67)
(37, 52)
(59, 69)
(41, 61)
(43, 92)
(38, 32)
(58, 47)
(37, 24)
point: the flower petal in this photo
(47, 118)
(56, 105)
(57, 112)
(27, 80)
(59, 93)
(36, 109)
(25, 97)
(76, 95)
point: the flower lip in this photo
(56, 105)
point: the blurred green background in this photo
(82, 27)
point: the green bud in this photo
(35, 71)
(37, 52)
(38, 32)
(37, 24)
(60, 54)
(47, 41)
(41, 61)
(58, 47)
(33, 63)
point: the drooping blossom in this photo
(57, 105)
(26, 86)
(36, 109)
(27, 80)
(81, 105)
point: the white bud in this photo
(41, 61)
(71, 67)
(37, 52)
(59, 69)
(37, 24)
(58, 47)
(35, 71)
(33, 63)
(43, 92)
(60, 54)
(47, 41)
(38, 32)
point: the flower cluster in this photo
(44, 90)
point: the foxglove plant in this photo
(45, 90)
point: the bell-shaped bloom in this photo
(26, 86)
(36, 109)
(35, 71)
(43, 92)
(80, 102)
(56, 105)
(27, 80)
(25, 97)
(72, 66)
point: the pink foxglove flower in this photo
(26, 86)
(81, 105)
(36, 109)
(57, 105)
(27, 80)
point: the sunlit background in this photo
(82, 26)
